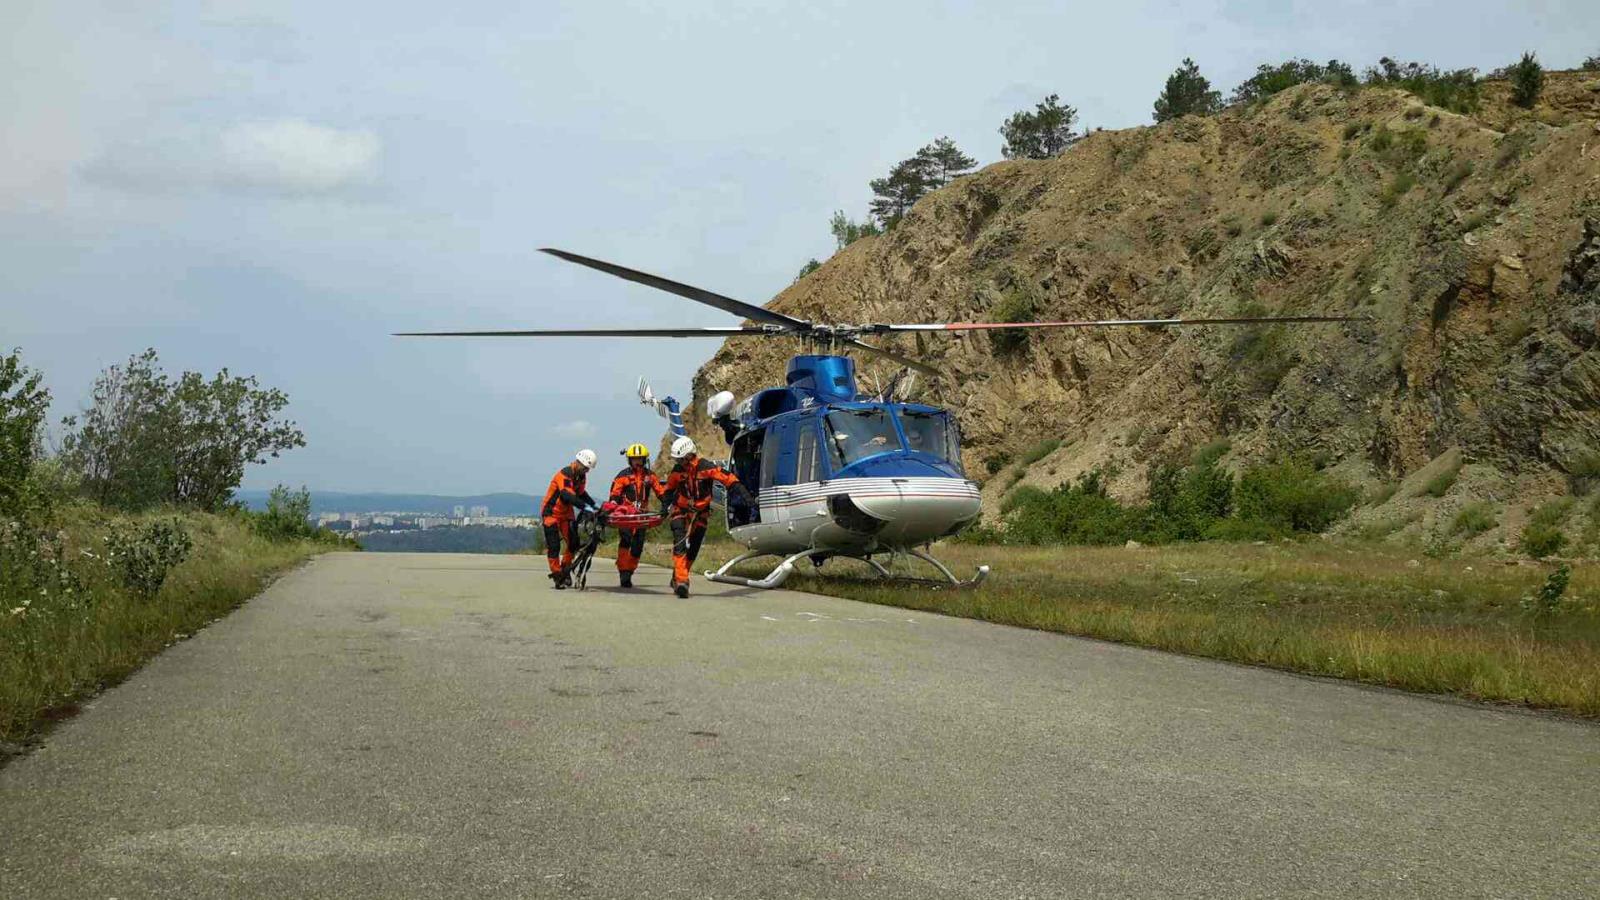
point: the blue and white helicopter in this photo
(835, 472)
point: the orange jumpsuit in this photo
(688, 497)
(633, 486)
(566, 494)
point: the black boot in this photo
(559, 579)
(627, 579)
(681, 589)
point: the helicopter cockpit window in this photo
(931, 433)
(858, 433)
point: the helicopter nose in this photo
(915, 510)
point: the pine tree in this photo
(1527, 80)
(945, 161)
(1187, 93)
(896, 193)
(1041, 134)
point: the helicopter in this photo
(835, 472)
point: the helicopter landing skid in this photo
(783, 570)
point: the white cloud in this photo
(577, 428)
(280, 156)
(297, 156)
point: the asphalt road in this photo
(386, 725)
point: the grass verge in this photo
(1463, 627)
(51, 658)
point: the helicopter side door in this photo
(748, 450)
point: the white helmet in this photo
(586, 458)
(682, 447)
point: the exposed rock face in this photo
(1475, 253)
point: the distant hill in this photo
(505, 504)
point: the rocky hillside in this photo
(1471, 242)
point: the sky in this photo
(276, 187)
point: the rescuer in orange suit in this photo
(635, 485)
(568, 493)
(688, 500)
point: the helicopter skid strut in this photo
(784, 569)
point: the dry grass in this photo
(1346, 610)
(50, 660)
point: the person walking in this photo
(688, 501)
(568, 493)
(635, 484)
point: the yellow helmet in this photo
(637, 450)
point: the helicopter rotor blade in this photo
(711, 332)
(890, 354)
(700, 295)
(1107, 323)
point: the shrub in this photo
(1291, 495)
(1268, 219)
(1473, 519)
(1542, 536)
(1270, 80)
(1077, 513)
(142, 556)
(1592, 64)
(1583, 471)
(1455, 90)
(1185, 503)
(1527, 80)
(1461, 171)
(1351, 130)
(1548, 599)
(1398, 188)
(1014, 306)
(1382, 141)
(1037, 452)
(285, 516)
(811, 266)
(997, 461)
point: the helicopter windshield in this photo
(929, 432)
(858, 433)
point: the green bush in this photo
(997, 461)
(1037, 452)
(1461, 171)
(1456, 90)
(1542, 536)
(1014, 306)
(1186, 503)
(1268, 219)
(1473, 519)
(1583, 471)
(1269, 80)
(1351, 130)
(285, 518)
(1077, 513)
(1398, 188)
(1291, 495)
(1527, 80)
(143, 555)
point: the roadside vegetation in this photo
(1196, 501)
(1518, 633)
(126, 540)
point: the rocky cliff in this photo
(1472, 243)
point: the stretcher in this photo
(591, 530)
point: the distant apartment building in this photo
(460, 512)
(385, 521)
(480, 512)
